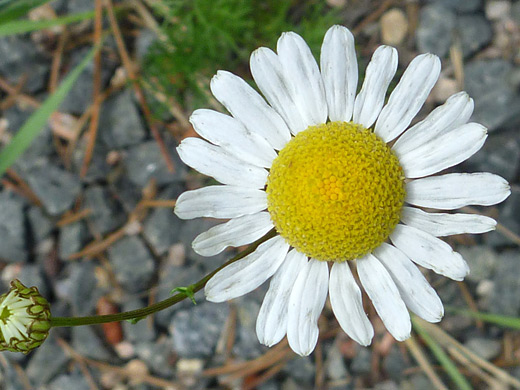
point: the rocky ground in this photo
(50, 213)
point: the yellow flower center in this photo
(335, 191)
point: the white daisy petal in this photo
(455, 190)
(271, 324)
(303, 78)
(340, 72)
(231, 135)
(415, 290)
(429, 252)
(214, 161)
(408, 96)
(220, 202)
(444, 151)
(442, 224)
(384, 294)
(305, 305)
(379, 74)
(236, 232)
(269, 76)
(347, 304)
(246, 105)
(248, 273)
(454, 113)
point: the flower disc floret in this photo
(335, 191)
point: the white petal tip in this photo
(402, 337)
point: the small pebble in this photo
(394, 27)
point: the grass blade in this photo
(443, 358)
(13, 9)
(497, 319)
(32, 127)
(24, 25)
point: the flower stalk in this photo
(183, 293)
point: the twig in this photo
(71, 218)
(420, 357)
(56, 61)
(470, 301)
(373, 16)
(152, 380)
(96, 83)
(129, 67)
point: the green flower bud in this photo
(24, 318)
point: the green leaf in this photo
(13, 9)
(497, 319)
(24, 25)
(32, 127)
(134, 321)
(446, 362)
(188, 291)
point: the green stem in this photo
(146, 311)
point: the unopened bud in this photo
(24, 318)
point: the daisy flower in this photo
(343, 181)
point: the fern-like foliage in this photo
(202, 36)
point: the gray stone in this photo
(509, 216)
(416, 382)
(460, 6)
(361, 364)
(515, 12)
(41, 225)
(435, 29)
(488, 83)
(301, 369)
(56, 188)
(132, 264)
(74, 381)
(171, 277)
(98, 168)
(77, 6)
(32, 275)
(504, 298)
(161, 227)
(48, 360)
(72, 238)
(142, 330)
(394, 363)
(386, 385)
(9, 377)
(80, 95)
(335, 364)
(87, 343)
(12, 229)
(143, 42)
(195, 332)
(269, 385)
(158, 356)
(189, 229)
(482, 261)
(500, 154)
(486, 348)
(246, 342)
(120, 124)
(129, 194)
(106, 213)
(475, 32)
(20, 58)
(83, 290)
(145, 161)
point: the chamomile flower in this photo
(343, 180)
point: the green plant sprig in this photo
(132, 316)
